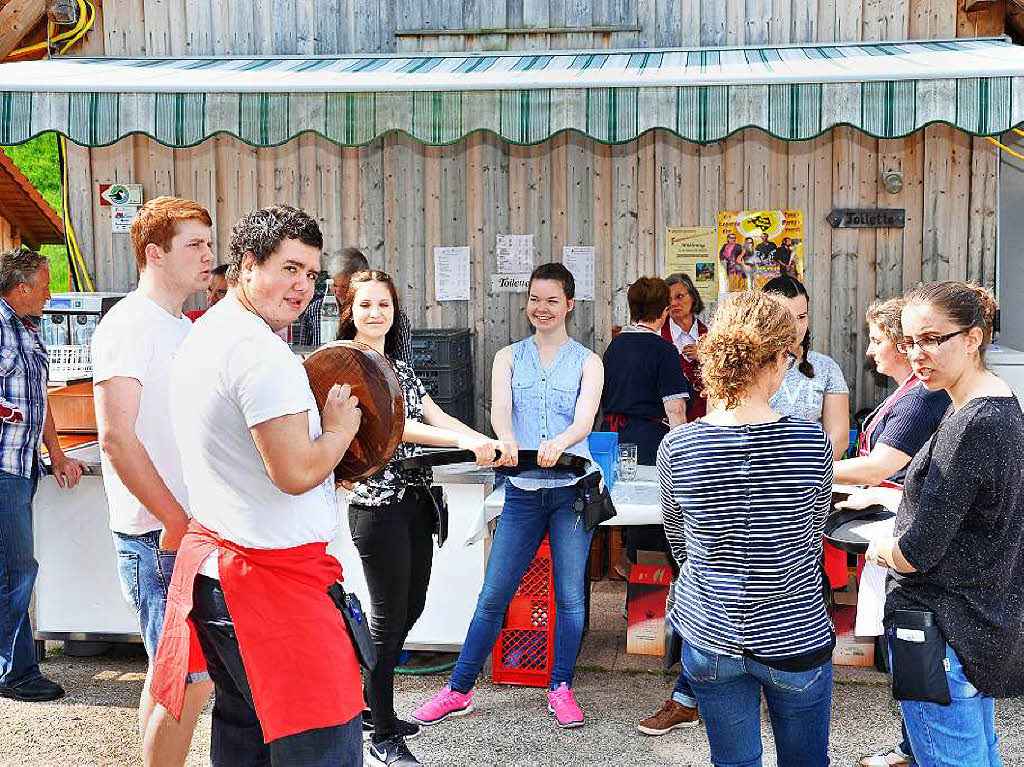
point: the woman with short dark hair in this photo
(545, 391)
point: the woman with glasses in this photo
(892, 435)
(745, 492)
(902, 424)
(956, 559)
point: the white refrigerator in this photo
(1008, 364)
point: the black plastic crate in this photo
(440, 347)
(462, 407)
(446, 383)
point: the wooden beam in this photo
(17, 19)
(977, 5)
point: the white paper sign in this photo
(579, 260)
(515, 253)
(510, 283)
(121, 218)
(451, 273)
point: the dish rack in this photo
(69, 362)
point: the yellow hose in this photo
(75, 259)
(86, 18)
(1007, 149)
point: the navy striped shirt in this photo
(744, 510)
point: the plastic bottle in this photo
(330, 315)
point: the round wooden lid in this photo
(375, 383)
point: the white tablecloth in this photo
(637, 502)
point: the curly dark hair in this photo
(262, 231)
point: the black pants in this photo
(394, 541)
(236, 737)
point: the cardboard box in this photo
(646, 596)
(851, 650)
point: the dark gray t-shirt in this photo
(961, 525)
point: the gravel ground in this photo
(95, 724)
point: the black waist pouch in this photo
(594, 504)
(918, 657)
(357, 625)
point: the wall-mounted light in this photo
(892, 180)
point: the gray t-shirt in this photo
(803, 397)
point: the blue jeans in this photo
(18, 569)
(682, 691)
(962, 734)
(729, 691)
(145, 571)
(527, 515)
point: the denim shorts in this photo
(145, 573)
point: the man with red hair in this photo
(132, 351)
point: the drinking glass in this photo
(627, 461)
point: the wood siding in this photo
(311, 27)
(396, 199)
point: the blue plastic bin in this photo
(604, 447)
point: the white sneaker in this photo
(890, 757)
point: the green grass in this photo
(37, 159)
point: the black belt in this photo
(527, 460)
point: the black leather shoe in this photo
(36, 690)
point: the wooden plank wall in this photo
(396, 199)
(307, 27)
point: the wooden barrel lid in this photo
(375, 383)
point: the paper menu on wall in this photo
(451, 273)
(515, 253)
(579, 259)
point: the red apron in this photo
(697, 405)
(296, 651)
(864, 443)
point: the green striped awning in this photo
(792, 92)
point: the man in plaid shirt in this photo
(24, 419)
(340, 268)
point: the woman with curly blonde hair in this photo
(744, 494)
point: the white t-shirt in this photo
(231, 374)
(138, 339)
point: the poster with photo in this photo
(755, 246)
(690, 250)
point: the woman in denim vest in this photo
(545, 393)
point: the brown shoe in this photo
(671, 716)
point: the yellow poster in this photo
(755, 246)
(690, 250)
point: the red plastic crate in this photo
(524, 651)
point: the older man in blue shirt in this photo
(24, 420)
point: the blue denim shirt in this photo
(544, 405)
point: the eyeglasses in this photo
(927, 344)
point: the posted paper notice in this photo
(515, 253)
(451, 273)
(579, 259)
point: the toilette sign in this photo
(868, 218)
(510, 283)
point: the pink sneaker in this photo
(443, 705)
(562, 703)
